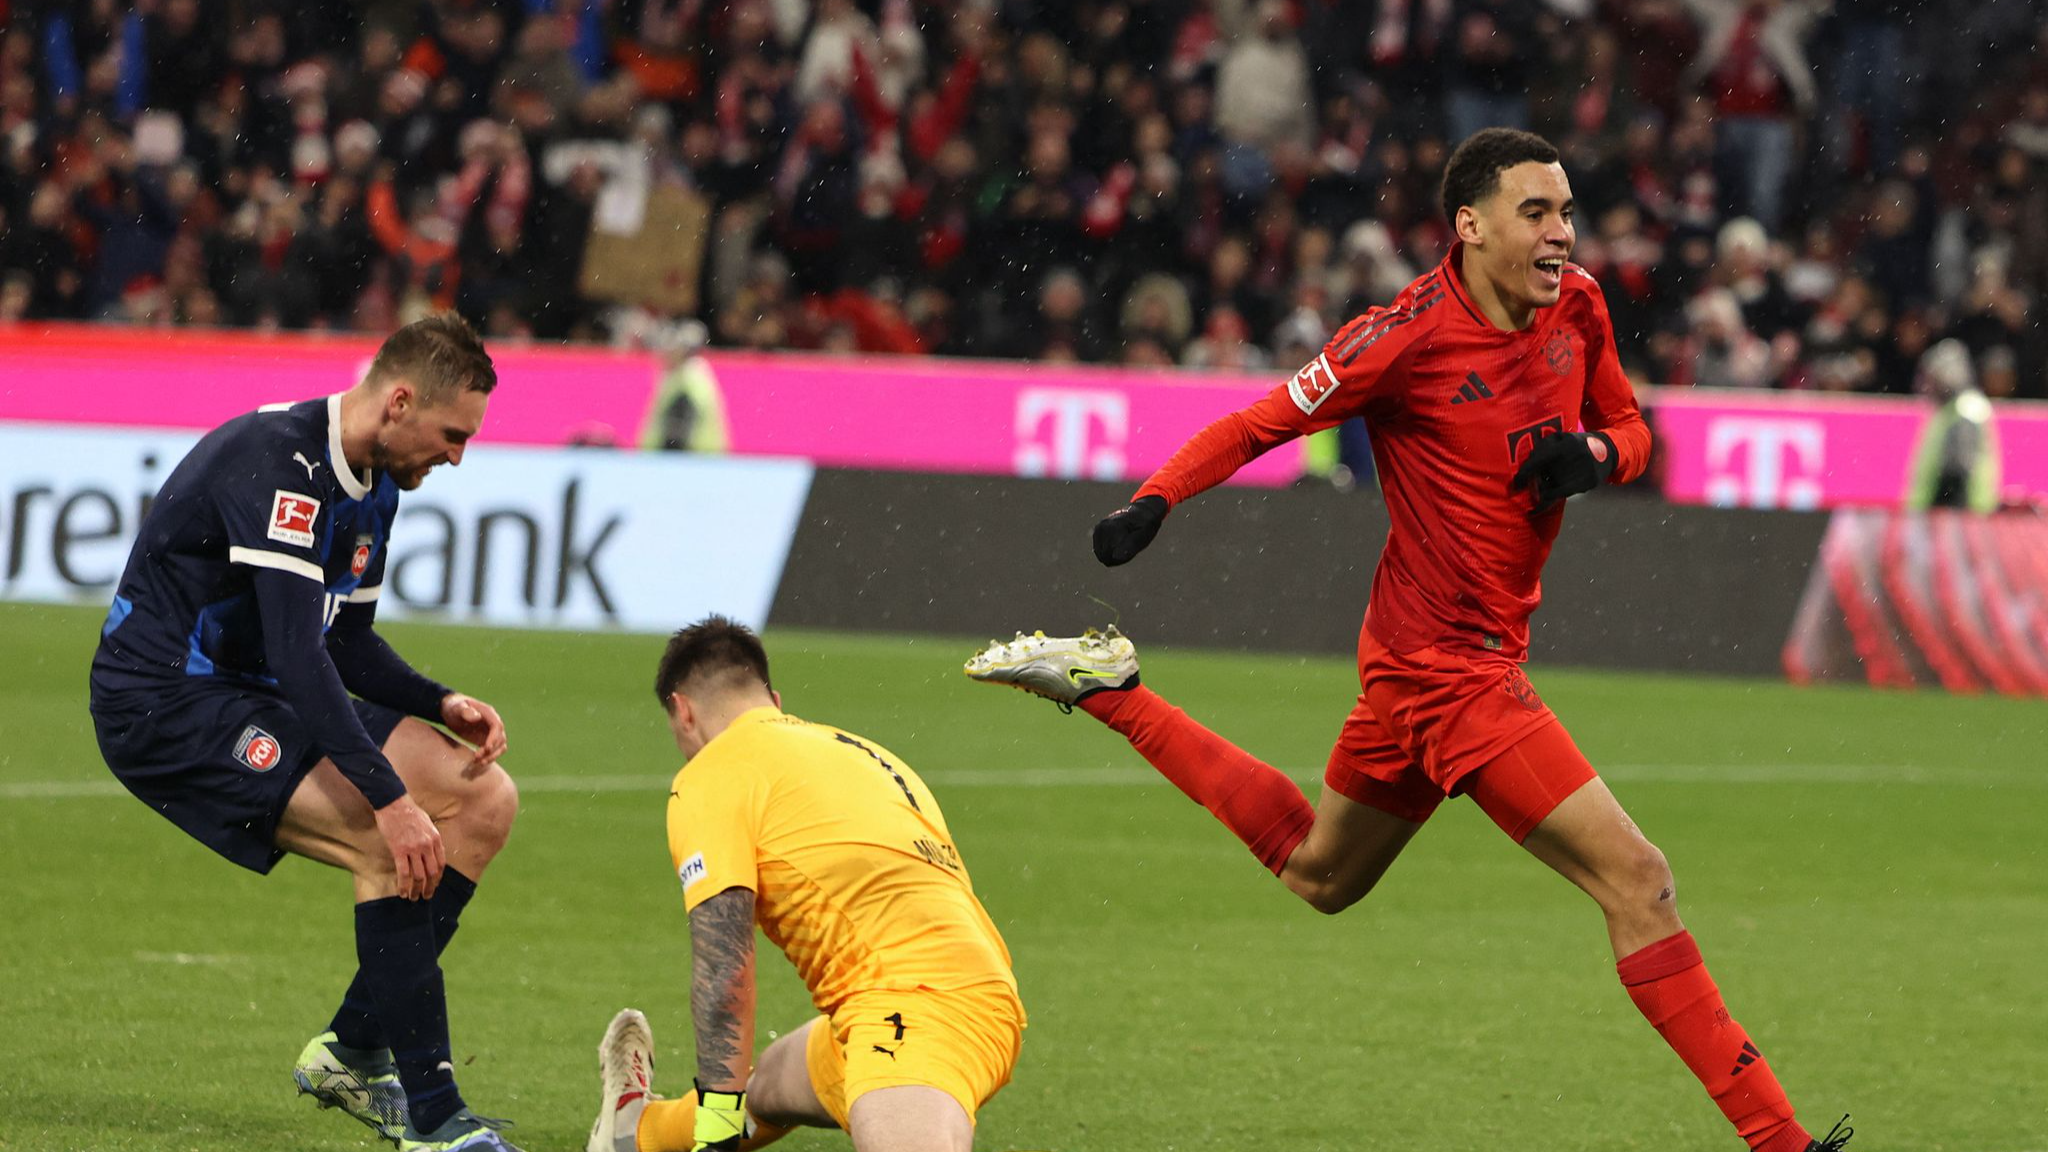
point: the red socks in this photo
(1669, 983)
(1253, 799)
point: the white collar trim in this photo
(356, 487)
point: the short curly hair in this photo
(1473, 172)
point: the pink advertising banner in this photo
(1749, 449)
(79, 374)
(1806, 450)
(895, 412)
(981, 416)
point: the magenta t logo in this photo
(1765, 462)
(1072, 433)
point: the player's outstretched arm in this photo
(373, 670)
(291, 606)
(1209, 458)
(1361, 365)
(722, 1008)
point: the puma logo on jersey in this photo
(308, 465)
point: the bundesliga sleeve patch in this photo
(291, 518)
(1313, 384)
(258, 750)
(691, 871)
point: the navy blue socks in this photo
(396, 952)
(355, 1024)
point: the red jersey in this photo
(1453, 404)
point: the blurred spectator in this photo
(1898, 349)
(1868, 67)
(1487, 78)
(1374, 271)
(1894, 252)
(1995, 314)
(1263, 100)
(1837, 357)
(125, 205)
(687, 413)
(1059, 328)
(1207, 178)
(1658, 38)
(1225, 345)
(1624, 258)
(1157, 316)
(1956, 463)
(1721, 351)
(1752, 66)
(17, 293)
(1812, 274)
(1743, 265)
(1999, 371)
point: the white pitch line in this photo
(61, 789)
(188, 958)
(1101, 776)
(991, 778)
(1954, 776)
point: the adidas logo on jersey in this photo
(1473, 389)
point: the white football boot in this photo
(1063, 669)
(625, 1064)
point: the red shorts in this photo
(1428, 720)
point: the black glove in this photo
(1563, 465)
(1124, 533)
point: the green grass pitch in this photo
(1865, 871)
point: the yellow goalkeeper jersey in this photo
(855, 875)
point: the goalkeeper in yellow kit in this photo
(838, 851)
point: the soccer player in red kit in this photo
(1492, 393)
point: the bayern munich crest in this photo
(1559, 352)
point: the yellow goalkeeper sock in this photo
(671, 1126)
(668, 1125)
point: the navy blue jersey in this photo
(267, 490)
(257, 570)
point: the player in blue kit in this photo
(221, 695)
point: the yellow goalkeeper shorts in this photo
(964, 1042)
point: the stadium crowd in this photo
(1774, 193)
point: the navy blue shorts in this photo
(218, 759)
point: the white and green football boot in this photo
(363, 1085)
(625, 1065)
(1063, 669)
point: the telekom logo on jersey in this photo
(1766, 462)
(1072, 433)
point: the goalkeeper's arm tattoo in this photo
(722, 988)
